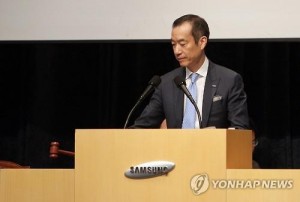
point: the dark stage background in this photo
(49, 89)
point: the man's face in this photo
(188, 53)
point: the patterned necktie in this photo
(190, 111)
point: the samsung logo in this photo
(149, 169)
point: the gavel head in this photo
(54, 147)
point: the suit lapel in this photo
(210, 88)
(179, 101)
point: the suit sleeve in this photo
(237, 105)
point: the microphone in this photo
(180, 82)
(152, 84)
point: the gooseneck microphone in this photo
(180, 82)
(152, 84)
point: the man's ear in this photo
(202, 42)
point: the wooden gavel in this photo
(54, 150)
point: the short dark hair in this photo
(199, 25)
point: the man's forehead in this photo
(181, 35)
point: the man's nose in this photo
(177, 49)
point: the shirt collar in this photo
(201, 71)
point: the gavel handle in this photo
(66, 153)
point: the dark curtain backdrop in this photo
(49, 89)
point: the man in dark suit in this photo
(220, 94)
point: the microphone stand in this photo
(154, 82)
(129, 115)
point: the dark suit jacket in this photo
(224, 101)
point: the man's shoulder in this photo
(179, 71)
(221, 70)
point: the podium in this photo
(209, 165)
(103, 156)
